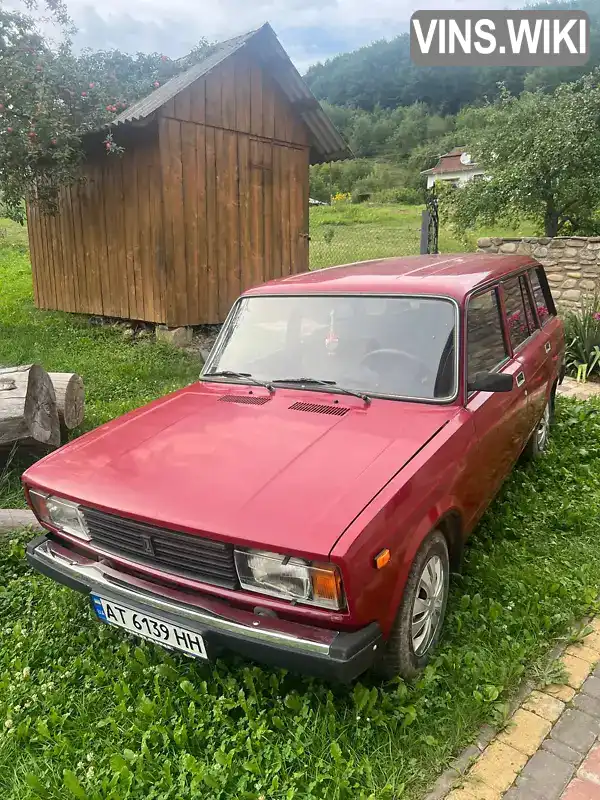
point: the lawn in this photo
(86, 712)
(344, 233)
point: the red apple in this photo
(84, 94)
(9, 130)
(156, 84)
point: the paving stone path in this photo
(579, 391)
(13, 518)
(550, 749)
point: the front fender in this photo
(426, 492)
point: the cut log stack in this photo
(37, 408)
(70, 399)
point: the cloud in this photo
(311, 30)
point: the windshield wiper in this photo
(243, 376)
(317, 382)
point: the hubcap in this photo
(428, 605)
(543, 429)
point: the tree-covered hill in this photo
(382, 75)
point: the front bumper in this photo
(301, 648)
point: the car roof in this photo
(451, 275)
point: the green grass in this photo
(118, 374)
(344, 233)
(13, 235)
(88, 712)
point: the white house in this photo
(455, 167)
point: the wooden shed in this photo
(209, 198)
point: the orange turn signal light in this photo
(327, 585)
(382, 558)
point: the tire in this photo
(538, 442)
(404, 654)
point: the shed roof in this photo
(327, 143)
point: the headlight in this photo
(62, 514)
(290, 578)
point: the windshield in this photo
(401, 346)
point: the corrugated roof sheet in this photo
(326, 141)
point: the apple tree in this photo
(50, 97)
(541, 153)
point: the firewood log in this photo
(28, 410)
(70, 398)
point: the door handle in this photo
(520, 379)
(548, 347)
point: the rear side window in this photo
(541, 294)
(486, 349)
(519, 310)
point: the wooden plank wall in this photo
(103, 253)
(235, 188)
(239, 96)
(174, 230)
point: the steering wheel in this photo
(418, 369)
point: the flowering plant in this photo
(582, 336)
(50, 97)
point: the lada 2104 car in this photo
(305, 502)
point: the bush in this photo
(339, 177)
(362, 191)
(405, 196)
(582, 337)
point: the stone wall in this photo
(572, 264)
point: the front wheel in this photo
(418, 625)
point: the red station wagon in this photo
(304, 503)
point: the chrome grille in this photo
(183, 554)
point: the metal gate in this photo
(430, 224)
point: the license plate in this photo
(156, 630)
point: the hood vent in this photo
(244, 399)
(315, 408)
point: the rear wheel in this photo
(419, 622)
(538, 443)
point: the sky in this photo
(310, 30)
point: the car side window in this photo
(541, 294)
(519, 310)
(486, 348)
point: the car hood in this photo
(290, 473)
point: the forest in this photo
(398, 117)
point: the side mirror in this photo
(490, 382)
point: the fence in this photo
(362, 234)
